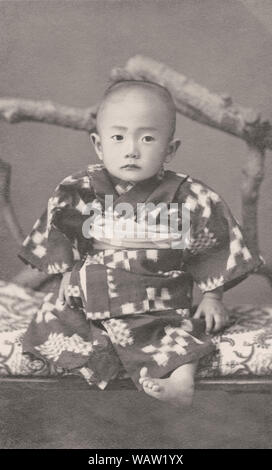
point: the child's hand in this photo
(63, 292)
(215, 313)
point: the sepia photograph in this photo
(135, 227)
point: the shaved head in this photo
(135, 128)
(150, 91)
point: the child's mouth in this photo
(130, 167)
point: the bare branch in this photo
(252, 177)
(253, 173)
(198, 103)
(17, 110)
(5, 203)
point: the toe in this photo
(147, 383)
(143, 372)
(151, 391)
(156, 388)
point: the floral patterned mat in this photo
(244, 348)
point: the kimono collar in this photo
(122, 186)
(152, 189)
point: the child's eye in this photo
(117, 137)
(148, 138)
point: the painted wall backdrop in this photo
(64, 51)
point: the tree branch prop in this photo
(5, 203)
(18, 110)
(198, 103)
(253, 173)
(252, 177)
(28, 276)
(192, 100)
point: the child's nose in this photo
(132, 150)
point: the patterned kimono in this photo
(132, 307)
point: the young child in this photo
(125, 303)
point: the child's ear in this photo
(95, 140)
(172, 148)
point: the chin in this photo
(130, 176)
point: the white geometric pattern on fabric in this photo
(73, 291)
(44, 316)
(83, 281)
(203, 241)
(119, 332)
(157, 298)
(128, 308)
(237, 247)
(38, 237)
(120, 259)
(111, 285)
(37, 224)
(185, 327)
(80, 206)
(58, 343)
(244, 347)
(98, 315)
(53, 202)
(174, 273)
(94, 167)
(44, 313)
(204, 195)
(28, 238)
(211, 283)
(173, 342)
(76, 253)
(123, 189)
(185, 312)
(57, 268)
(152, 255)
(97, 258)
(162, 354)
(132, 254)
(184, 176)
(68, 179)
(190, 203)
(88, 375)
(85, 182)
(96, 205)
(39, 251)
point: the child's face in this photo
(133, 138)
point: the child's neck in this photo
(119, 181)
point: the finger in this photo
(156, 388)
(219, 322)
(198, 312)
(209, 323)
(222, 319)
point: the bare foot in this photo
(178, 389)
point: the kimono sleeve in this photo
(55, 241)
(216, 253)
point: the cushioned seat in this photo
(243, 349)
